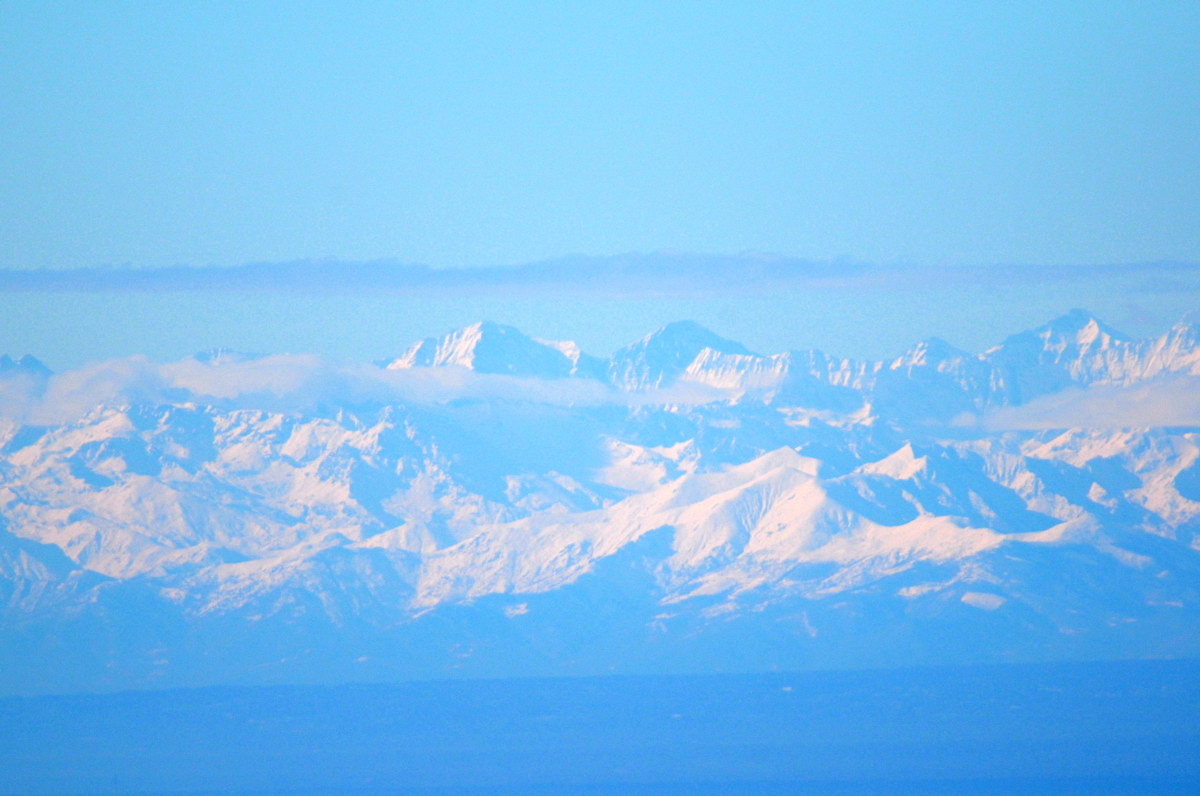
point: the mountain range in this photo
(683, 505)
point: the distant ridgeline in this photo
(487, 504)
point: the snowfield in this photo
(487, 503)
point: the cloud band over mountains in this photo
(666, 272)
(1164, 402)
(300, 383)
(296, 383)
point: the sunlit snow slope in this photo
(490, 504)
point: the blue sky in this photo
(474, 135)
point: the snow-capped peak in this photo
(663, 355)
(1076, 348)
(1079, 331)
(930, 352)
(488, 347)
(826, 489)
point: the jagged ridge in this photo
(808, 484)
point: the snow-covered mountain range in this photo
(491, 504)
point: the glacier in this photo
(488, 504)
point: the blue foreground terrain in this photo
(1120, 727)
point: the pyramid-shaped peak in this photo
(490, 347)
(27, 364)
(661, 356)
(477, 333)
(937, 345)
(1072, 334)
(1080, 325)
(930, 352)
(1074, 349)
(490, 328)
(1179, 343)
(689, 335)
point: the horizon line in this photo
(664, 269)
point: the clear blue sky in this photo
(473, 134)
(477, 134)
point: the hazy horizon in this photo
(948, 545)
(373, 310)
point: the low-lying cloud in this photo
(1173, 401)
(298, 383)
